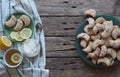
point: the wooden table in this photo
(61, 18)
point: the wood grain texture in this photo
(63, 26)
(61, 18)
(60, 35)
(59, 43)
(75, 67)
(61, 47)
(76, 7)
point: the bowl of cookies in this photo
(98, 39)
(18, 27)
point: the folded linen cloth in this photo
(30, 67)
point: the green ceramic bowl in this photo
(7, 31)
(81, 29)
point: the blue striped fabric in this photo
(30, 67)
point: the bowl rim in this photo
(79, 49)
(34, 53)
(12, 66)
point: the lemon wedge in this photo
(5, 43)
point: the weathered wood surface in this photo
(75, 67)
(62, 26)
(60, 47)
(76, 7)
(61, 18)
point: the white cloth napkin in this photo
(30, 67)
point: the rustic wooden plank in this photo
(60, 43)
(56, 26)
(61, 47)
(75, 67)
(62, 54)
(60, 35)
(76, 7)
(65, 63)
(62, 26)
(84, 73)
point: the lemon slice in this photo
(13, 35)
(16, 58)
(18, 37)
(26, 33)
(5, 43)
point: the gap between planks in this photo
(41, 15)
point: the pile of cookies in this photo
(100, 40)
(18, 23)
